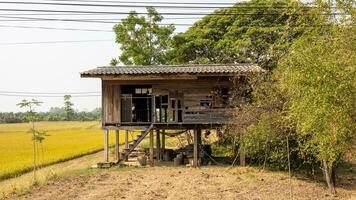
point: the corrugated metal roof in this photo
(173, 69)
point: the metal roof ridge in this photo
(178, 65)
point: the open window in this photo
(168, 109)
(136, 103)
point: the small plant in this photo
(37, 135)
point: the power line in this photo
(156, 2)
(113, 5)
(77, 20)
(39, 96)
(22, 92)
(52, 28)
(93, 30)
(53, 42)
(175, 5)
(11, 16)
(145, 13)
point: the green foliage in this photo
(54, 114)
(308, 98)
(143, 41)
(319, 78)
(31, 115)
(68, 108)
(243, 33)
(37, 135)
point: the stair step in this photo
(127, 151)
(131, 146)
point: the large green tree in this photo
(142, 40)
(258, 31)
(319, 78)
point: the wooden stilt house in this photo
(158, 98)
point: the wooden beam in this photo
(126, 142)
(158, 145)
(196, 148)
(151, 149)
(117, 152)
(126, 139)
(163, 143)
(106, 145)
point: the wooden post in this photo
(151, 149)
(197, 139)
(153, 116)
(126, 139)
(158, 145)
(126, 143)
(117, 152)
(163, 143)
(106, 145)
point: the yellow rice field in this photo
(66, 140)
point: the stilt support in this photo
(163, 143)
(106, 145)
(126, 142)
(197, 141)
(158, 145)
(151, 149)
(117, 141)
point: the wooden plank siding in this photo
(111, 95)
(191, 91)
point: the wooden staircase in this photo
(127, 151)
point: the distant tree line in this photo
(65, 113)
(54, 114)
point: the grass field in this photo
(66, 140)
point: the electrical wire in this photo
(52, 42)
(145, 13)
(80, 20)
(112, 5)
(53, 28)
(155, 2)
(47, 96)
(22, 92)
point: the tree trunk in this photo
(329, 174)
(242, 151)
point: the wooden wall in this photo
(110, 103)
(191, 91)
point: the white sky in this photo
(56, 67)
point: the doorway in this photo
(136, 103)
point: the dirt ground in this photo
(184, 183)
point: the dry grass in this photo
(184, 183)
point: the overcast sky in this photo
(55, 68)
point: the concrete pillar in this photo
(117, 141)
(106, 145)
(158, 145)
(163, 143)
(151, 148)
